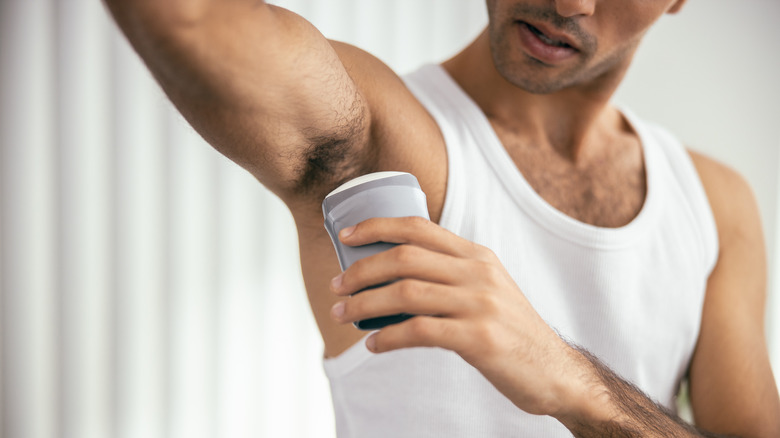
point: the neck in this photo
(572, 121)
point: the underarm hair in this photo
(645, 417)
(335, 157)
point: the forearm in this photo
(619, 409)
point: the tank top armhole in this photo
(348, 360)
(429, 88)
(684, 168)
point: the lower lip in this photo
(541, 51)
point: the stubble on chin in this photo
(529, 73)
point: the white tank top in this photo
(631, 295)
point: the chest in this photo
(607, 191)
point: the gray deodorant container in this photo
(380, 194)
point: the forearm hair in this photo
(638, 415)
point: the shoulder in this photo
(731, 384)
(731, 199)
(404, 135)
(717, 175)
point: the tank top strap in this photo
(686, 180)
(443, 100)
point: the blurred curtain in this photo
(149, 287)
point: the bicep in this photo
(731, 382)
(262, 86)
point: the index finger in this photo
(412, 230)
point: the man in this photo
(572, 248)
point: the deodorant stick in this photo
(380, 194)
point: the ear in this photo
(675, 8)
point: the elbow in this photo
(159, 14)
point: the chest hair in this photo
(605, 190)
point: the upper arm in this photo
(260, 84)
(731, 383)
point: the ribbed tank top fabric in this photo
(631, 295)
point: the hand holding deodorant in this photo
(380, 194)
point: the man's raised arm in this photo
(259, 83)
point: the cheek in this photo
(630, 19)
(625, 22)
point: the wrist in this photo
(586, 399)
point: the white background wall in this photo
(150, 288)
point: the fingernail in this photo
(347, 231)
(335, 282)
(338, 309)
(371, 343)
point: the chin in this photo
(536, 86)
(535, 79)
(527, 73)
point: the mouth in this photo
(547, 40)
(545, 44)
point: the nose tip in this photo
(573, 8)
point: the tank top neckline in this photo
(520, 190)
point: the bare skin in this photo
(304, 114)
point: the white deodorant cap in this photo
(364, 179)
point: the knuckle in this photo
(366, 228)
(493, 273)
(356, 265)
(482, 269)
(420, 328)
(489, 303)
(485, 253)
(481, 252)
(372, 221)
(417, 221)
(477, 249)
(447, 331)
(407, 290)
(405, 254)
